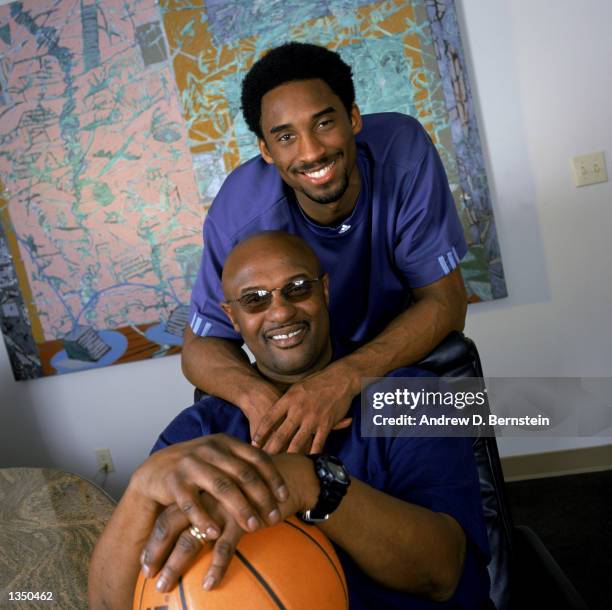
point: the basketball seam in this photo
(182, 593)
(144, 584)
(261, 580)
(331, 561)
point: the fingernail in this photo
(211, 532)
(255, 444)
(208, 583)
(161, 584)
(143, 558)
(252, 523)
(282, 493)
(274, 515)
(146, 570)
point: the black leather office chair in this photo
(523, 573)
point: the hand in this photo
(258, 401)
(301, 420)
(171, 549)
(242, 478)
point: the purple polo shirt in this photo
(403, 233)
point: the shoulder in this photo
(394, 138)
(210, 415)
(252, 190)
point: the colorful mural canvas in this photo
(119, 121)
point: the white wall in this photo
(543, 90)
(60, 421)
(543, 93)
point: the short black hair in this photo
(292, 62)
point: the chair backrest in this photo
(457, 356)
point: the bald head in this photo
(283, 314)
(261, 250)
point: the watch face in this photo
(337, 471)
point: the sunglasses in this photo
(259, 300)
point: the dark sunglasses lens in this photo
(296, 291)
(255, 301)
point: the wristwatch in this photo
(334, 480)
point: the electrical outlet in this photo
(104, 460)
(589, 169)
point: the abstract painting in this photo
(119, 120)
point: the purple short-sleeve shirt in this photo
(403, 233)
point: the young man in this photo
(371, 198)
(408, 527)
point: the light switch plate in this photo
(589, 169)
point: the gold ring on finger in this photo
(197, 534)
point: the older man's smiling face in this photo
(290, 337)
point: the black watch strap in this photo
(334, 480)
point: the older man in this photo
(403, 513)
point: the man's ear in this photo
(265, 153)
(356, 122)
(227, 308)
(325, 282)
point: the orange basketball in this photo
(291, 565)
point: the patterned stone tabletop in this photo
(49, 523)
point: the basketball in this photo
(290, 565)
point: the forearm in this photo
(400, 545)
(221, 368)
(439, 309)
(114, 565)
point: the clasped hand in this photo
(302, 418)
(171, 548)
(222, 486)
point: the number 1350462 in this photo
(19, 596)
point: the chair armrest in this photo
(538, 581)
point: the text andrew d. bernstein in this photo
(445, 420)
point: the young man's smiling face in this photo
(310, 138)
(289, 338)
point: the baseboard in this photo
(557, 463)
